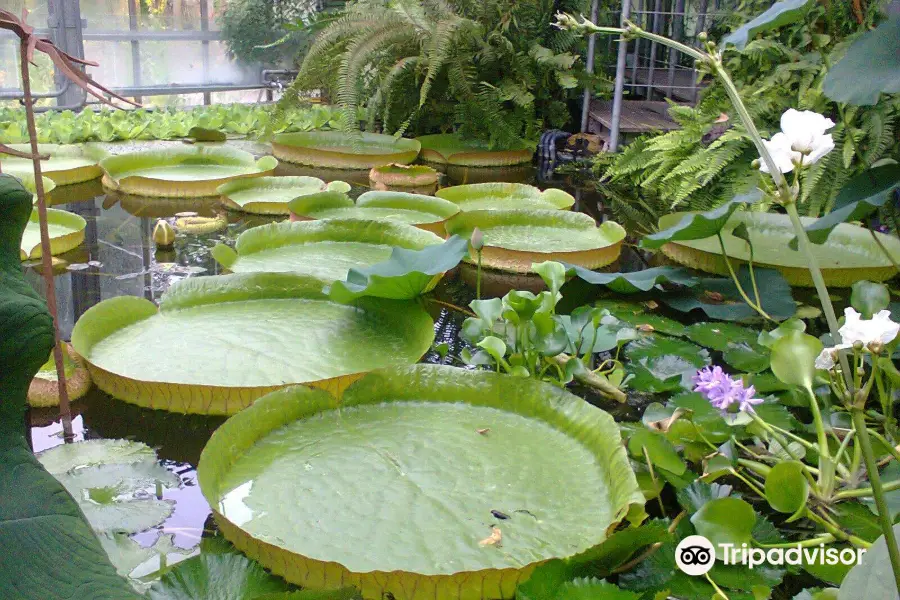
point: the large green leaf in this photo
(787, 489)
(401, 207)
(793, 358)
(719, 297)
(779, 14)
(637, 281)
(849, 254)
(325, 249)
(405, 275)
(535, 470)
(738, 344)
(186, 171)
(66, 165)
(696, 225)
(66, 232)
(267, 195)
(217, 343)
(727, 520)
(49, 551)
(873, 578)
(500, 196)
(869, 68)
(450, 148)
(662, 364)
(338, 150)
(862, 195)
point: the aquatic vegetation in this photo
(394, 429)
(404, 177)
(338, 150)
(66, 233)
(44, 391)
(451, 149)
(188, 172)
(65, 165)
(271, 195)
(496, 196)
(215, 344)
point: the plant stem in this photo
(867, 492)
(478, 278)
(758, 308)
(885, 251)
(884, 515)
(826, 464)
(826, 538)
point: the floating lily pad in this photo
(184, 172)
(325, 249)
(114, 483)
(515, 239)
(641, 317)
(425, 212)
(450, 148)
(637, 281)
(338, 150)
(387, 177)
(738, 344)
(44, 388)
(850, 254)
(267, 195)
(66, 164)
(291, 481)
(500, 196)
(218, 343)
(662, 364)
(66, 233)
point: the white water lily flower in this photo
(877, 330)
(825, 360)
(802, 140)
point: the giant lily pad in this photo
(337, 150)
(66, 233)
(425, 212)
(268, 195)
(44, 388)
(66, 164)
(849, 255)
(357, 489)
(406, 177)
(514, 239)
(187, 172)
(449, 148)
(325, 249)
(496, 196)
(218, 343)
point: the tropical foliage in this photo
(490, 70)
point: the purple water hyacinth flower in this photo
(725, 393)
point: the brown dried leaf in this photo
(494, 539)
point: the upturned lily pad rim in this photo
(705, 254)
(399, 175)
(302, 183)
(111, 315)
(44, 393)
(451, 149)
(565, 412)
(116, 169)
(335, 149)
(289, 233)
(610, 236)
(89, 152)
(442, 209)
(460, 194)
(75, 224)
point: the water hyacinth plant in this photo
(802, 141)
(730, 396)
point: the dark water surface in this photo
(118, 257)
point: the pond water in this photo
(119, 258)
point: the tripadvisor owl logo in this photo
(695, 555)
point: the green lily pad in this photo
(405, 275)
(504, 196)
(641, 317)
(737, 344)
(66, 165)
(696, 225)
(323, 249)
(864, 194)
(338, 150)
(217, 343)
(727, 520)
(637, 281)
(113, 481)
(426, 212)
(849, 254)
(661, 364)
(188, 171)
(873, 578)
(267, 195)
(450, 148)
(787, 490)
(869, 68)
(516, 239)
(66, 233)
(294, 473)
